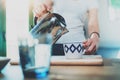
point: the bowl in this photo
(3, 62)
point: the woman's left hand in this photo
(91, 44)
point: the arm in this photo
(93, 22)
(91, 44)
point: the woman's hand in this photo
(42, 8)
(91, 44)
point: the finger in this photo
(40, 10)
(84, 42)
(90, 53)
(44, 8)
(35, 12)
(91, 49)
(88, 43)
(94, 50)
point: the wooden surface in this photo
(109, 71)
(86, 60)
(62, 61)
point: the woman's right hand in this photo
(42, 8)
(39, 10)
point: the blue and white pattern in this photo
(72, 48)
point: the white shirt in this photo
(74, 13)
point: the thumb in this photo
(45, 8)
(84, 42)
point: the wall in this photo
(110, 30)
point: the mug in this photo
(73, 50)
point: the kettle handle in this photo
(36, 18)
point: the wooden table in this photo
(109, 71)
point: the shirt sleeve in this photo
(92, 4)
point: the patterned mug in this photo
(73, 50)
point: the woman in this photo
(75, 13)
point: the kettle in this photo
(51, 23)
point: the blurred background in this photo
(16, 18)
(109, 23)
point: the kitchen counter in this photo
(109, 71)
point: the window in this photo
(17, 24)
(114, 9)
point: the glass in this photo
(35, 56)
